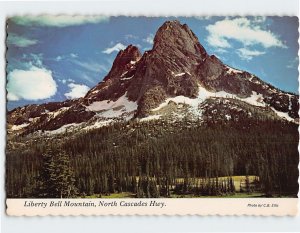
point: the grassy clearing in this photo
(236, 195)
(236, 179)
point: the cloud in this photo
(87, 77)
(33, 84)
(58, 20)
(115, 48)
(32, 59)
(217, 41)
(58, 58)
(242, 30)
(247, 54)
(76, 91)
(20, 41)
(130, 36)
(64, 81)
(220, 50)
(36, 59)
(73, 55)
(91, 66)
(62, 57)
(25, 62)
(293, 63)
(149, 39)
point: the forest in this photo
(157, 159)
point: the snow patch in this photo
(180, 74)
(110, 109)
(290, 102)
(203, 94)
(57, 112)
(98, 124)
(255, 99)
(228, 117)
(33, 119)
(127, 78)
(111, 113)
(282, 114)
(235, 71)
(255, 81)
(122, 75)
(95, 91)
(150, 118)
(178, 99)
(18, 127)
(63, 129)
(178, 115)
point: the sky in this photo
(54, 58)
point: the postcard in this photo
(118, 115)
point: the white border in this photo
(153, 206)
(149, 223)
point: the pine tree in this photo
(56, 179)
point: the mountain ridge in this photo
(177, 70)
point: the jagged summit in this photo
(173, 35)
(124, 57)
(174, 80)
(116, 82)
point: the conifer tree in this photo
(56, 179)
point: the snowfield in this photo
(111, 109)
(108, 112)
(62, 129)
(255, 99)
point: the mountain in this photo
(177, 79)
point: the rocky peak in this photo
(173, 36)
(131, 53)
(118, 79)
(124, 60)
(169, 69)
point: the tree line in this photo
(157, 159)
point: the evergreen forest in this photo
(157, 159)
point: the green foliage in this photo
(56, 178)
(147, 159)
